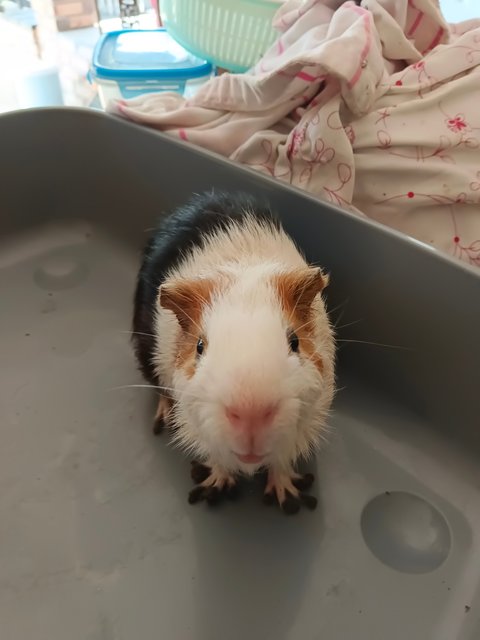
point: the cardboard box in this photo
(74, 14)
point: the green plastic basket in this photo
(233, 34)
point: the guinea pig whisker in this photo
(339, 306)
(343, 307)
(206, 401)
(298, 299)
(139, 333)
(152, 335)
(305, 324)
(339, 389)
(154, 388)
(376, 344)
(202, 299)
(192, 335)
(310, 358)
(133, 386)
(344, 326)
(157, 390)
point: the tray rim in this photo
(412, 243)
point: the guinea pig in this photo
(229, 325)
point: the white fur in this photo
(247, 354)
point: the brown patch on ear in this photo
(297, 291)
(187, 299)
(187, 354)
(311, 353)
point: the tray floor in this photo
(97, 539)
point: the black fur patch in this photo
(176, 234)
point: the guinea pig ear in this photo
(187, 299)
(297, 289)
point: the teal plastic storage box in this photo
(130, 63)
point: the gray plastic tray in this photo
(97, 540)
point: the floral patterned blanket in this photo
(372, 106)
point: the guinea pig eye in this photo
(293, 341)
(200, 346)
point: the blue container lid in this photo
(135, 53)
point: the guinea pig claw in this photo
(291, 504)
(269, 498)
(289, 492)
(212, 485)
(195, 495)
(302, 483)
(199, 472)
(211, 495)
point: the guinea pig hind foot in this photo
(289, 490)
(212, 484)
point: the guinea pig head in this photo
(249, 364)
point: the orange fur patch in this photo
(297, 291)
(188, 299)
(187, 355)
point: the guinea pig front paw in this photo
(163, 414)
(289, 491)
(212, 484)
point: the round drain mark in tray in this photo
(60, 271)
(406, 532)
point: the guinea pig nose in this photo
(233, 414)
(251, 416)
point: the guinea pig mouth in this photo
(249, 458)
